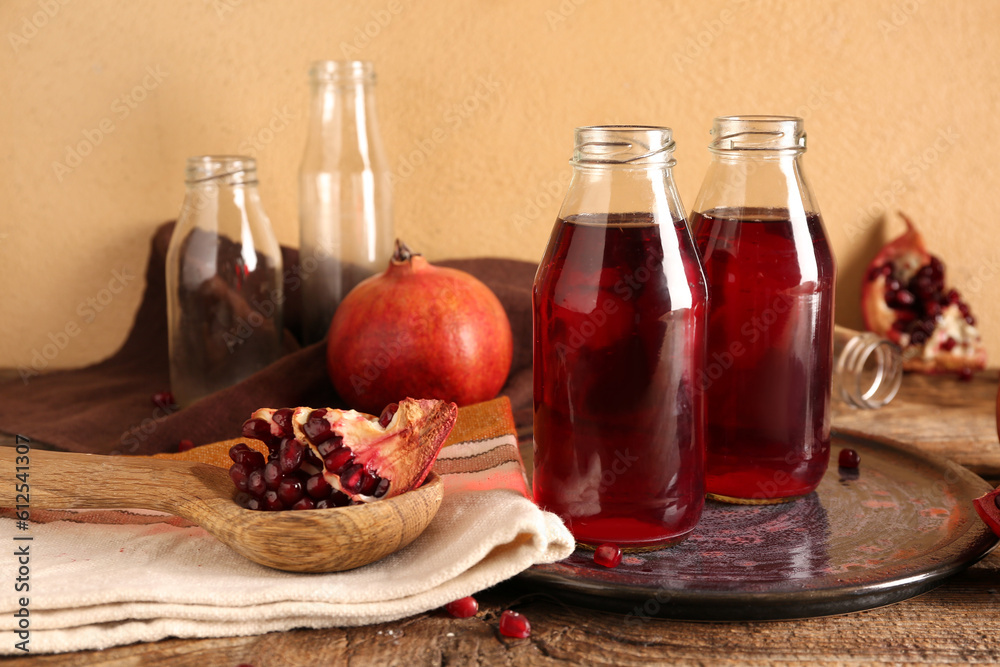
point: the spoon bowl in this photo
(319, 540)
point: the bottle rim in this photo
(342, 71)
(623, 145)
(232, 169)
(760, 132)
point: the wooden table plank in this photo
(939, 414)
(955, 623)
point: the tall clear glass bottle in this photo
(224, 280)
(771, 279)
(619, 319)
(345, 200)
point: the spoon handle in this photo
(61, 480)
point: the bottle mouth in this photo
(225, 169)
(629, 145)
(342, 71)
(758, 133)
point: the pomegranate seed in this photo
(273, 475)
(463, 607)
(318, 487)
(185, 445)
(513, 624)
(339, 499)
(255, 504)
(381, 489)
(256, 484)
(304, 504)
(350, 479)
(283, 418)
(240, 475)
(290, 490)
(330, 445)
(251, 458)
(291, 455)
(848, 459)
(949, 344)
(368, 483)
(312, 461)
(236, 450)
(164, 399)
(258, 429)
(317, 428)
(337, 460)
(324, 504)
(271, 501)
(965, 375)
(608, 555)
(388, 414)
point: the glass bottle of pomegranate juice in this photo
(770, 325)
(619, 342)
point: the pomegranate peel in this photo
(336, 457)
(419, 330)
(989, 512)
(904, 299)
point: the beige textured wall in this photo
(900, 97)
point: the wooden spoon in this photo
(326, 540)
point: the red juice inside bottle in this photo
(770, 352)
(619, 306)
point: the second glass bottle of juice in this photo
(771, 278)
(619, 321)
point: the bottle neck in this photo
(755, 179)
(343, 126)
(621, 170)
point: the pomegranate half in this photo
(905, 299)
(418, 330)
(324, 457)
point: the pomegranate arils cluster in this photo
(905, 298)
(321, 458)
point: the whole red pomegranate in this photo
(418, 330)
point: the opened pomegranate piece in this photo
(320, 458)
(989, 510)
(905, 299)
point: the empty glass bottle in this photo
(224, 280)
(345, 202)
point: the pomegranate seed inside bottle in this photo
(608, 555)
(513, 624)
(848, 459)
(185, 445)
(463, 607)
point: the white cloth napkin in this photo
(102, 578)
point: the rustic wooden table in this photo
(957, 622)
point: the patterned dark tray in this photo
(896, 529)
